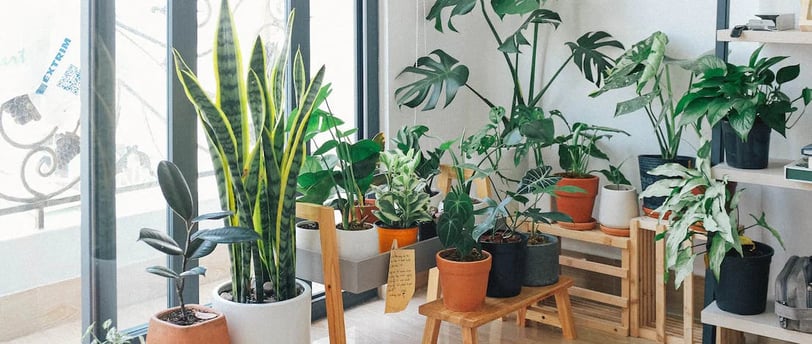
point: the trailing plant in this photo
(339, 170)
(112, 335)
(648, 68)
(579, 146)
(195, 245)
(696, 199)
(744, 94)
(257, 147)
(439, 72)
(401, 201)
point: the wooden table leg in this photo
(469, 335)
(433, 287)
(728, 336)
(431, 331)
(562, 303)
(521, 317)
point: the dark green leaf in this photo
(213, 216)
(807, 95)
(160, 241)
(537, 180)
(195, 271)
(459, 7)
(226, 235)
(504, 7)
(547, 217)
(762, 221)
(787, 74)
(175, 190)
(163, 272)
(325, 147)
(200, 248)
(433, 75)
(593, 63)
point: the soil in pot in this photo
(754, 153)
(743, 281)
(199, 325)
(542, 266)
(578, 205)
(463, 283)
(647, 163)
(508, 252)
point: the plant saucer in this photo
(579, 226)
(621, 232)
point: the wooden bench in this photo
(496, 308)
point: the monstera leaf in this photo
(517, 39)
(504, 7)
(593, 63)
(458, 8)
(434, 75)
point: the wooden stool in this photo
(495, 308)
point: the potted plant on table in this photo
(646, 67)
(401, 202)
(618, 204)
(748, 102)
(703, 207)
(341, 173)
(257, 147)
(187, 323)
(575, 150)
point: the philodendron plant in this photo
(196, 245)
(401, 201)
(577, 147)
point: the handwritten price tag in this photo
(400, 282)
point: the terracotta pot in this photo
(577, 205)
(463, 283)
(365, 211)
(214, 331)
(404, 236)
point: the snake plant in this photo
(256, 145)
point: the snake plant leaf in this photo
(458, 8)
(520, 7)
(163, 272)
(175, 190)
(433, 75)
(200, 248)
(160, 241)
(537, 180)
(213, 216)
(230, 90)
(587, 57)
(195, 271)
(226, 235)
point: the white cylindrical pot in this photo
(278, 322)
(308, 239)
(357, 245)
(618, 205)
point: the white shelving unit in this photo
(783, 37)
(764, 324)
(773, 175)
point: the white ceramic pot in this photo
(618, 205)
(308, 239)
(278, 322)
(357, 245)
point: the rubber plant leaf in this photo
(433, 76)
(160, 241)
(226, 235)
(175, 190)
(163, 272)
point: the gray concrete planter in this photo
(542, 267)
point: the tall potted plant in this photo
(648, 70)
(187, 324)
(748, 102)
(401, 202)
(704, 207)
(257, 148)
(575, 150)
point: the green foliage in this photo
(743, 94)
(401, 201)
(112, 335)
(257, 148)
(694, 196)
(647, 67)
(579, 146)
(179, 198)
(408, 138)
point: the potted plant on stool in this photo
(187, 324)
(401, 202)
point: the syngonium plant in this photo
(439, 72)
(257, 147)
(401, 201)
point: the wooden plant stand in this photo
(496, 308)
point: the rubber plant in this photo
(439, 71)
(257, 147)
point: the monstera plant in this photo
(439, 72)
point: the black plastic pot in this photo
(743, 281)
(426, 230)
(647, 163)
(542, 266)
(753, 154)
(507, 270)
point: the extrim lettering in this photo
(52, 68)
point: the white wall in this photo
(690, 26)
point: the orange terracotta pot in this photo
(578, 205)
(212, 331)
(365, 211)
(463, 283)
(404, 236)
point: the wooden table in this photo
(495, 308)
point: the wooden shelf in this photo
(785, 37)
(764, 324)
(773, 175)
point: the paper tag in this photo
(401, 280)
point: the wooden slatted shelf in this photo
(784, 37)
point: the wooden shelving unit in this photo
(773, 175)
(783, 37)
(764, 324)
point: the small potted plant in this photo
(187, 323)
(618, 204)
(575, 150)
(704, 207)
(111, 335)
(749, 102)
(401, 202)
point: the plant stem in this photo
(533, 61)
(517, 88)
(488, 102)
(535, 100)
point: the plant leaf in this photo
(195, 271)
(591, 62)
(504, 7)
(213, 216)
(458, 8)
(537, 180)
(634, 104)
(160, 241)
(433, 75)
(226, 235)
(175, 190)
(787, 74)
(200, 248)
(163, 272)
